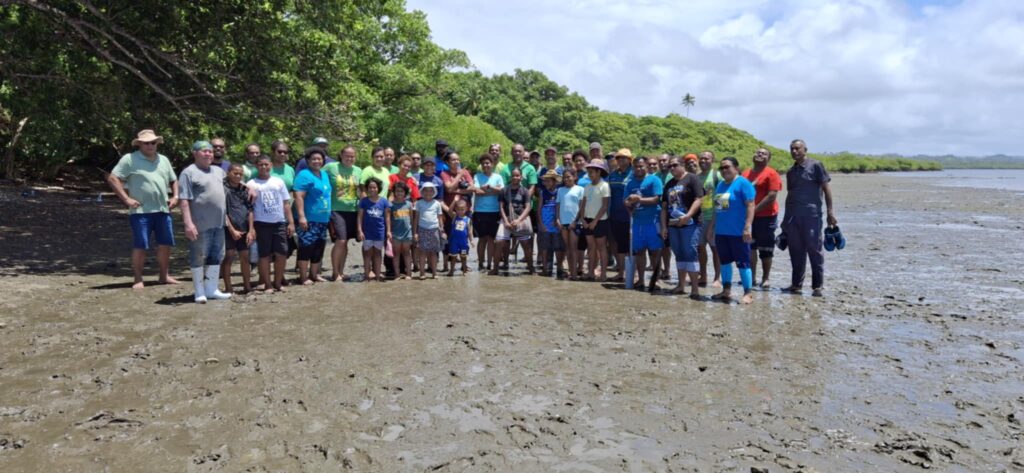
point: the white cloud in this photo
(928, 76)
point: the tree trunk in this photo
(10, 170)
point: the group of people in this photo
(407, 211)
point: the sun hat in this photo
(146, 136)
(600, 165)
(201, 144)
(595, 145)
(552, 174)
(427, 185)
(625, 153)
(690, 157)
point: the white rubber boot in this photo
(198, 281)
(212, 281)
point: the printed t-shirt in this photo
(549, 202)
(373, 217)
(680, 194)
(344, 186)
(271, 194)
(401, 220)
(731, 206)
(518, 197)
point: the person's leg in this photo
(464, 257)
(676, 244)
(602, 256)
(723, 249)
(528, 254)
(368, 263)
(718, 266)
(753, 259)
(666, 260)
(243, 261)
(139, 262)
(421, 262)
(196, 258)
(317, 259)
(164, 229)
(702, 258)
(640, 261)
(264, 268)
(815, 252)
(688, 259)
(378, 256)
(214, 250)
(432, 261)
(225, 268)
(591, 257)
(302, 263)
(795, 238)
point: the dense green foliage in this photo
(88, 74)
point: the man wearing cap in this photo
(767, 184)
(710, 178)
(219, 149)
(142, 180)
(535, 159)
(618, 244)
(806, 182)
(318, 142)
(440, 152)
(203, 209)
(595, 151)
(643, 199)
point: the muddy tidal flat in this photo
(913, 361)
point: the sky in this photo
(870, 76)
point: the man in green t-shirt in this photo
(710, 178)
(346, 190)
(252, 153)
(141, 180)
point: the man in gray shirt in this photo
(806, 182)
(203, 208)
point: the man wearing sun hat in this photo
(203, 210)
(142, 180)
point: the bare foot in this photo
(747, 298)
(307, 282)
(319, 279)
(138, 285)
(716, 284)
(679, 290)
(169, 280)
(268, 291)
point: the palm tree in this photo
(688, 102)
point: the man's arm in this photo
(117, 186)
(766, 201)
(828, 205)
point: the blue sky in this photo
(907, 76)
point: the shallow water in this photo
(913, 359)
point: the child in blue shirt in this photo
(459, 242)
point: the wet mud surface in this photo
(914, 360)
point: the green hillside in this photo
(362, 72)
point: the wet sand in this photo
(913, 360)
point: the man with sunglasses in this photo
(142, 180)
(807, 182)
(219, 148)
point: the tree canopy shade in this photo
(79, 77)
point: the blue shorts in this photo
(732, 249)
(645, 236)
(144, 225)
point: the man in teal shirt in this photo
(141, 180)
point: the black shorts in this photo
(620, 233)
(343, 225)
(486, 224)
(764, 235)
(231, 244)
(272, 239)
(599, 231)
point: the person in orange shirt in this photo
(767, 183)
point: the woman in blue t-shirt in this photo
(731, 223)
(313, 204)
